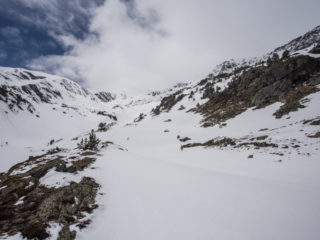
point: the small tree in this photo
(89, 144)
(269, 61)
(285, 54)
(275, 57)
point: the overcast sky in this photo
(142, 45)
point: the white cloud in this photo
(183, 41)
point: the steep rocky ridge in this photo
(288, 80)
(233, 87)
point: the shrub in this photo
(91, 143)
(102, 126)
(275, 57)
(54, 150)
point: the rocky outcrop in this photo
(285, 75)
(139, 118)
(316, 49)
(224, 142)
(168, 102)
(302, 42)
(105, 96)
(22, 90)
(286, 80)
(30, 207)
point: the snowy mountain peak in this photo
(21, 89)
(304, 42)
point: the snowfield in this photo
(153, 190)
(156, 191)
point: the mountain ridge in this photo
(232, 150)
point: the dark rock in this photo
(261, 137)
(140, 117)
(88, 153)
(104, 113)
(80, 165)
(184, 139)
(42, 205)
(181, 108)
(105, 96)
(68, 198)
(6, 213)
(84, 224)
(168, 102)
(316, 135)
(35, 230)
(287, 80)
(316, 49)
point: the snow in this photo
(20, 201)
(156, 191)
(59, 179)
(153, 190)
(152, 199)
(26, 134)
(54, 230)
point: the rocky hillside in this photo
(24, 90)
(233, 87)
(242, 143)
(302, 44)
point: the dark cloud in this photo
(31, 28)
(146, 20)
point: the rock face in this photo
(105, 96)
(305, 41)
(287, 74)
(24, 90)
(168, 102)
(223, 142)
(302, 42)
(29, 207)
(287, 80)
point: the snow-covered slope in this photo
(301, 44)
(153, 190)
(252, 173)
(36, 107)
(22, 89)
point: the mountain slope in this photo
(22, 89)
(233, 156)
(233, 88)
(301, 44)
(37, 107)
